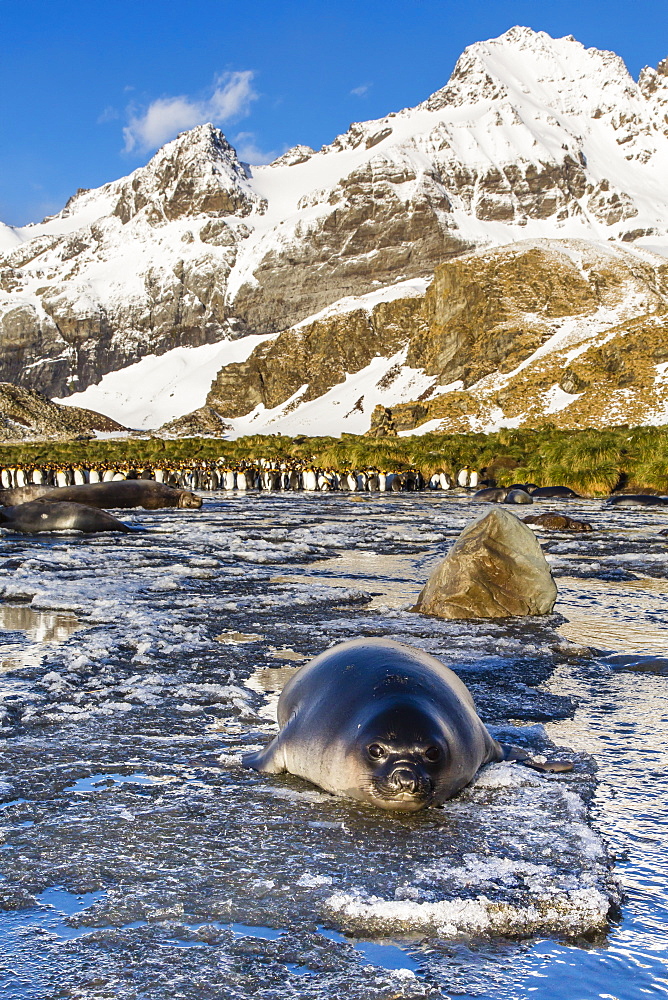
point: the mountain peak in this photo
(523, 62)
(198, 172)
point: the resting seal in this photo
(123, 493)
(518, 496)
(558, 522)
(637, 500)
(384, 723)
(32, 518)
(491, 494)
(543, 492)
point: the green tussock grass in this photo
(593, 462)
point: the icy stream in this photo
(140, 860)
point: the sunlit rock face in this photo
(315, 356)
(532, 137)
(495, 569)
(26, 415)
(564, 331)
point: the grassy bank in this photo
(589, 461)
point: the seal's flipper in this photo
(546, 766)
(269, 761)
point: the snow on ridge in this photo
(9, 237)
(407, 288)
(162, 387)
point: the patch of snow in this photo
(9, 237)
(409, 288)
(162, 387)
(557, 399)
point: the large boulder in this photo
(496, 568)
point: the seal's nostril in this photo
(404, 780)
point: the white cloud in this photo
(165, 117)
(361, 91)
(249, 152)
(108, 115)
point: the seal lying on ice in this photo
(124, 493)
(637, 500)
(384, 723)
(33, 518)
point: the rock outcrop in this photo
(26, 415)
(304, 362)
(495, 569)
(538, 331)
(557, 522)
(204, 422)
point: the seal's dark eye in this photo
(375, 751)
(432, 753)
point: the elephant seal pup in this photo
(383, 723)
(637, 500)
(490, 494)
(33, 518)
(543, 492)
(122, 493)
(518, 496)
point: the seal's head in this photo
(188, 499)
(401, 758)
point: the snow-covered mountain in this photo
(531, 138)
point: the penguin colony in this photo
(260, 475)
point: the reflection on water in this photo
(626, 616)
(386, 954)
(39, 626)
(30, 630)
(270, 681)
(390, 579)
(622, 723)
(232, 638)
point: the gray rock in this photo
(495, 569)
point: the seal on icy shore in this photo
(549, 492)
(33, 518)
(388, 724)
(637, 500)
(491, 494)
(557, 522)
(120, 494)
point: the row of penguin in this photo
(262, 475)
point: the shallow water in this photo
(140, 860)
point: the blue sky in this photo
(89, 89)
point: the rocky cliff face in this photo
(560, 332)
(531, 138)
(564, 331)
(306, 361)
